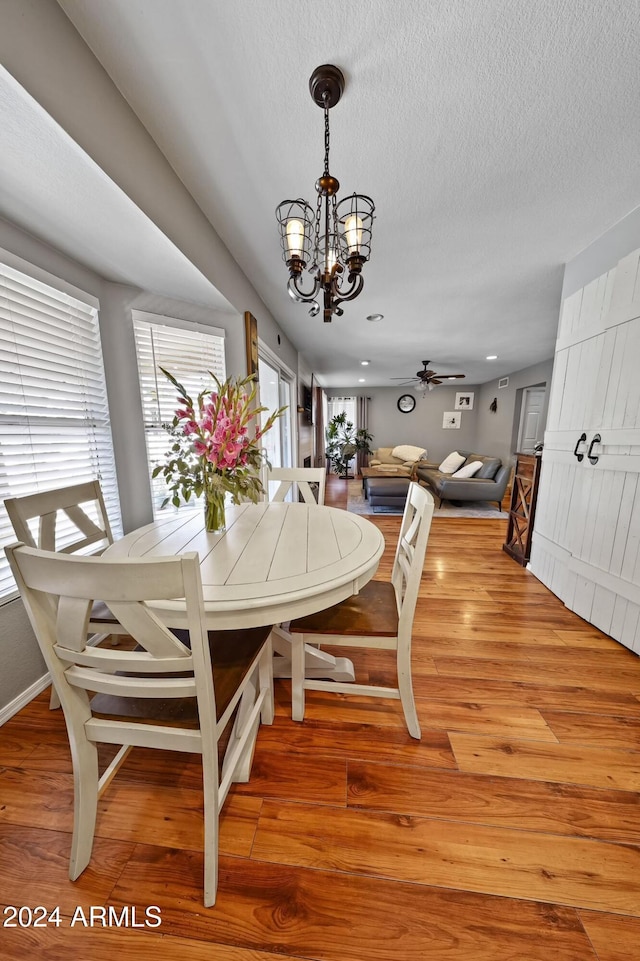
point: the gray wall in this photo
(43, 51)
(480, 429)
(20, 661)
(423, 426)
(498, 433)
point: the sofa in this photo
(488, 483)
(385, 462)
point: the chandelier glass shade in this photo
(334, 241)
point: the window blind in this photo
(189, 355)
(54, 416)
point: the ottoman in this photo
(387, 493)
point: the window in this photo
(338, 405)
(187, 351)
(54, 417)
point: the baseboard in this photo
(36, 688)
(23, 698)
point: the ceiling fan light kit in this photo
(334, 239)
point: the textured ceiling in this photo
(498, 138)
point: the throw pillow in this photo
(452, 462)
(408, 452)
(468, 470)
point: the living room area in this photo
(147, 147)
(492, 419)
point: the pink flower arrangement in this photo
(215, 446)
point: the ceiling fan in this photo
(426, 379)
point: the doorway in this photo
(277, 390)
(531, 429)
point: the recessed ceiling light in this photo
(492, 357)
(374, 318)
(361, 380)
(365, 363)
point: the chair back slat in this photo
(72, 622)
(297, 477)
(61, 518)
(410, 551)
(147, 628)
(170, 687)
(47, 532)
(139, 662)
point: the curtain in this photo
(362, 423)
(319, 403)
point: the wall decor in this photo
(493, 406)
(464, 401)
(503, 382)
(451, 420)
(406, 403)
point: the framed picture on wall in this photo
(451, 420)
(464, 401)
(251, 343)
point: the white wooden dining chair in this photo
(380, 616)
(300, 478)
(67, 520)
(164, 694)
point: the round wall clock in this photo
(406, 403)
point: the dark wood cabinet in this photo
(523, 507)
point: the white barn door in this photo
(586, 543)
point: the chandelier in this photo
(334, 239)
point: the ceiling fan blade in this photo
(434, 381)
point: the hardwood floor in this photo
(511, 831)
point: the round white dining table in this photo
(274, 562)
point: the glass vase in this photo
(214, 516)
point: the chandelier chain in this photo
(326, 136)
(316, 237)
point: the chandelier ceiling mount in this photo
(345, 244)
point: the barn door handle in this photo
(581, 439)
(596, 458)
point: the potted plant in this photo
(213, 451)
(343, 442)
